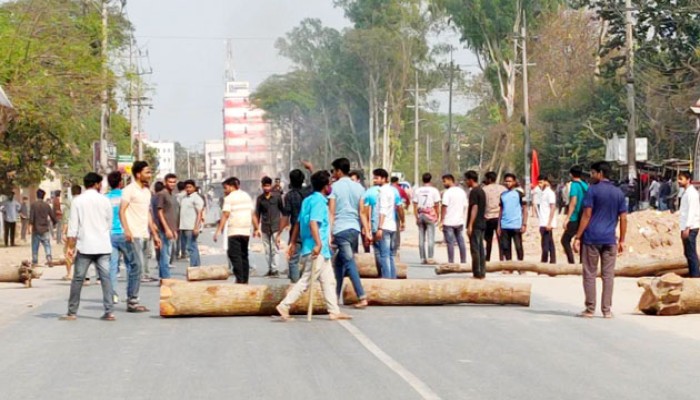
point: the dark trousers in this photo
(491, 230)
(25, 226)
(476, 248)
(514, 236)
(569, 234)
(238, 256)
(549, 252)
(10, 232)
(690, 250)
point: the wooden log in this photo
(209, 299)
(637, 270)
(57, 263)
(208, 273)
(368, 268)
(669, 295)
(23, 273)
(413, 292)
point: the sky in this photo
(183, 43)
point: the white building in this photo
(215, 161)
(166, 157)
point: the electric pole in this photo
(526, 111)
(631, 125)
(448, 135)
(416, 128)
(104, 115)
(385, 140)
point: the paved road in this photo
(455, 352)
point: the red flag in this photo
(535, 169)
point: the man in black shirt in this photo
(268, 209)
(476, 224)
(291, 210)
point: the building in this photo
(246, 137)
(166, 157)
(214, 161)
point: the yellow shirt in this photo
(240, 206)
(139, 201)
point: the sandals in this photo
(361, 305)
(108, 317)
(68, 317)
(585, 314)
(137, 308)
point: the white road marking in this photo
(419, 386)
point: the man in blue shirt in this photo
(577, 190)
(370, 202)
(603, 207)
(313, 227)
(116, 183)
(512, 221)
(344, 209)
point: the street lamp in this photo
(695, 109)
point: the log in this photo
(368, 268)
(23, 273)
(430, 292)
(57, 263)
(669, 295)
(208, 299)
(637, 270)
(208, 273)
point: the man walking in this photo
(268, 210)
(167, 223)
(137, 221)
(75, 191)
(11, 212)
(387, 225)
(344, 208)
(476, 224)
(238, 216)
(119, 245)
(452, 218)
(292, 207)
(689, 221)
(603, 207)
(58, 209)
(512, 219)
(39, 216)
(577, 189)
(191, 210)
(493, 193)
(24, 218)
(89, 232)
(547, 211)
(426, 208)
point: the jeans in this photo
(569, 234)
(453, 234)
(386, 257)
(345, 261)
(271, 251)
(324, 273)
(9, 229)
(690, 251)
(82, 262)
(476, 248)
(549, 252)
(119, 246)
(164, 261)
(294, 263)
(516, 237)
(45, 240)
(426, 233)
(238, 256)
(491, 228)
(591, 254)
(189, 244)
(137, 251)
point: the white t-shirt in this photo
(548, 201)
(240, 206)
(387, 207)
(455, 199)
(426, 197)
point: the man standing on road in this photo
(39, 216)
(689, 221)
(344, 207)
(119, 245)
(476, 224)
(24, 218)
(58, 209)
(426, 208)
(512, 219)
(493, 193)
(11, 211)
(603, 207)
(167, 223)
(314, 230)
(89, 232)
(292, 207)
(180, 250)
(268, 211)
(452, 218)
(387, 225)
(137, 220)
(191, 210)
(577, 190)
(547, 211)
(75, 191)
(238, 215)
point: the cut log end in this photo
(669, 295)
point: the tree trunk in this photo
(637, 270)
(208, 273)
(413, 292)
(669, 295)
(207, 299)
(368, 268)
(24, 273)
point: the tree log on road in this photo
(23, 273)
(208, 273)
(669, 295)
(637, 270)
(368, 268)
(412, 292)
(182, 298)
(57, 263)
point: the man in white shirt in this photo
(453, 218)
(426, 208)
(89, 231)
(387, 223)
(689, 221)
(546, 212)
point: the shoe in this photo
(68, 317)
(115, 299)
(424, 262)
(108, 317)
(585, 314)
(136, 308)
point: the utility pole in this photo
(416, 128)
(427, 149)
(448, 135)
(631, 125)
(132, 105)
(371, 125)
(385, 140)
(526, 111)
(104, 115)
(291, 144)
